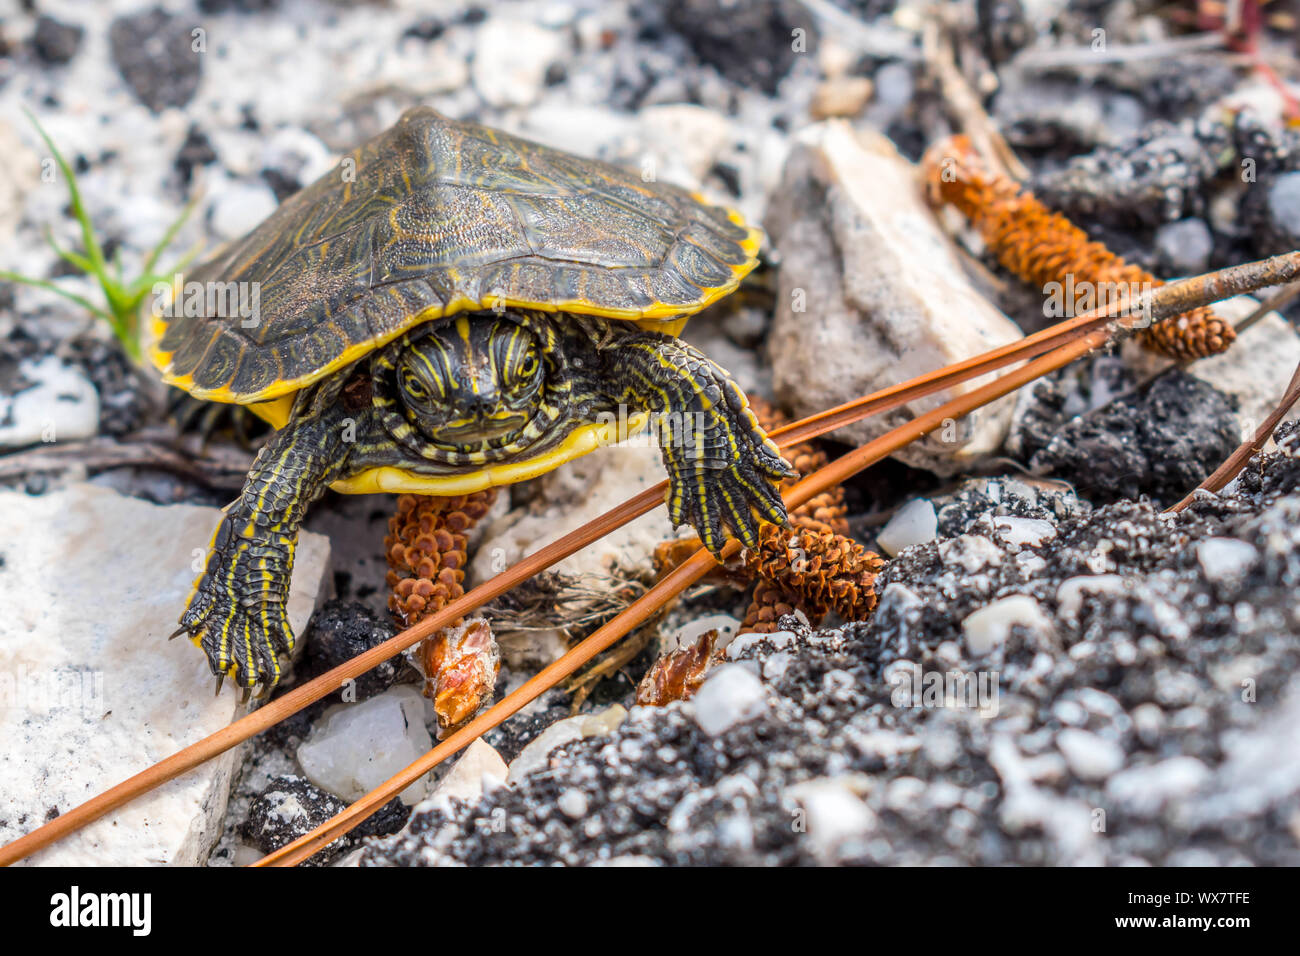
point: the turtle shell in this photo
(433, 217)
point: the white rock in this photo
(581, 129)
(60, 405)
(730, 695)
(240, 207)
(91, 690)
(572, 803)
(835, 814)
(359, 746)
(536, 755)
(914, 523)
(682, 142)
(1147, 789)
(1226, 559)
(297, 151)
(1025, 805)
(872, 293)
(990, 626)
(511, 58)
(970, 553)
(743, 642)
(479, 768)
(1024, 532)
(19, 172)
(1089, 756)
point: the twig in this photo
(1249, 448)
(964, 104)
(105, 453)
(1039, 58)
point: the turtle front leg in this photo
(238, 611)
(723, 470)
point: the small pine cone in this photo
(769, 603)
(1041, 247)
(460, 665)
(678, 675)
(827, 572)
(426, 550)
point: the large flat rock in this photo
(872, 293)
(91, 690)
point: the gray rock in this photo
(871, 294)
(289, 808)
(56, 42)
(154, 51)
(1254, 372)
(1284, 206)
(747, 41)
(1162, 440)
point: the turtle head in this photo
(472, 380)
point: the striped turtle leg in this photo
(238, 612)
(723, 470)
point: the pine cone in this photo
(1043, 247)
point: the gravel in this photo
(1121, 739)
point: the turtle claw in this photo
(221, 679)
(730, 481)
(241, 631)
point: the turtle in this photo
(453, 308)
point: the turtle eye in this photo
(413, 388)
(528, 364)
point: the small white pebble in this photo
(990, 626)
(572, 803)
(731, 695)
(914, 523)
(1226, 559)
(1023, 532)
(1146, 789)
(239, 208)
(1088, 755)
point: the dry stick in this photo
(938, 44)
(1238, 459)
(690, 571)
(1166, 300)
